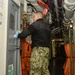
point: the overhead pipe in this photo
(68, 12)
(25, 6)
(32, 1)
(69, 6)
(74, 26)
(56, 7)
(44, 6)
(69, 2)
(41, 3)
(50, 4)
(59, 3)
(35, 5)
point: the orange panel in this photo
(22, 63)
(24, 72)
(67, 63)
(25, 57)
(26, 50)
(67, 67)
(67, 49)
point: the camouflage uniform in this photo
(39, 61)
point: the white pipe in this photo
(50, 18)
(68, 12)
(32, 1)
(25, 6)
(69, 2)
(69, 6)
(74, 23)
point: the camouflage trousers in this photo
(39, 61)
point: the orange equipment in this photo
(25, 49)
(67, 63)
(25, 57)
(44, 5)
(41, 3)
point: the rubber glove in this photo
(16, 34)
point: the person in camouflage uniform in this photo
(39, 61)
(40, 33)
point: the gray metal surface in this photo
(13, 54)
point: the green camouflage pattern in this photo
(39, 61)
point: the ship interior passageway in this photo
(59, 18)
(59, 15)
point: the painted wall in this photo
(3, 35)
